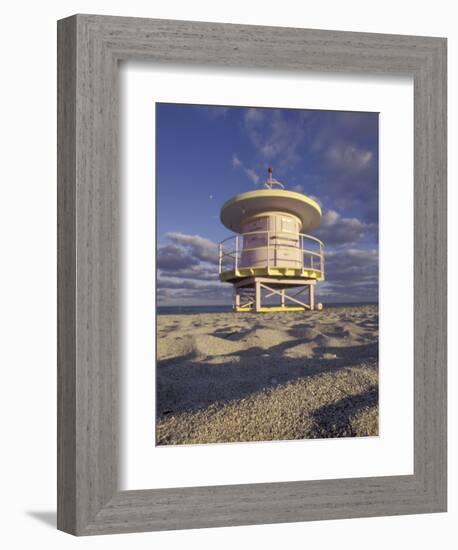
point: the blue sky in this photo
(205, 155)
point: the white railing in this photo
(231, 251)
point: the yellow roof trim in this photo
(234, 210)
(243, 272)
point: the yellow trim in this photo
(273, 193)
(268, 309)
(234, 211)
(243, 272)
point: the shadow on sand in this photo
(334, 420)
(190, 383)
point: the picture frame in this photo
(89, 50)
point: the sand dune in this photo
(244, 377)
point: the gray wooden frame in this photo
(89, 48)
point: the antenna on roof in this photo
(272, 181)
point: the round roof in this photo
(241, 207)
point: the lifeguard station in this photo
(271, 256)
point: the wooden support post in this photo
(237, 298)
(257, 296)
(287, 297)
(248, 294)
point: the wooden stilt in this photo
(248, 295)
(287, 297)
(237, 298)
(258, 296)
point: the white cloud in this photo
(334, 229)
(348, 157)
(199, 247)
(351, 275)
(330, 218)
(252, 175)
(171, 257)
(316, 199)
(254, 115)
(181, 283)
(237, 163)
(275, 138)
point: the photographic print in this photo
(266, 274)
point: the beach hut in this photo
(271, 261)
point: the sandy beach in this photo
(227, 377)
